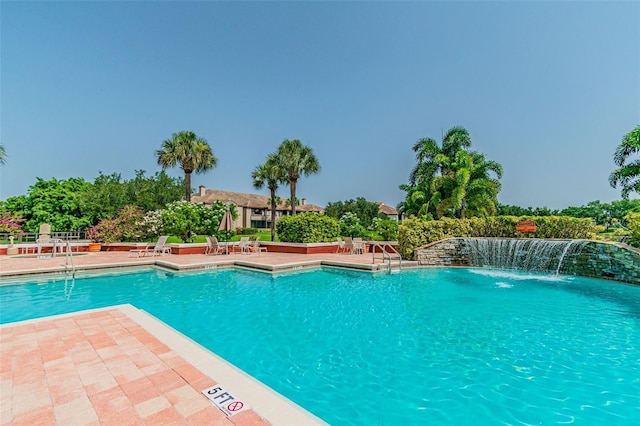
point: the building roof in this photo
(254, 201)
(388, 210)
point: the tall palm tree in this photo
(296, 159)
(3, 154)
(628, 174)
(272, 174)
(191, 152)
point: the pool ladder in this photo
(388, 252)
(68, 258)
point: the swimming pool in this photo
(429, 346)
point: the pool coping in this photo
(264, 401)
(209, 265)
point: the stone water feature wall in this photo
(594, 259)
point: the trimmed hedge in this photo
(414, 232)
(308, 228)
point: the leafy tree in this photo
(628, 173)
(54, 202)
(296, 160)
(104, 197)
(191, 152)
(365, 210)
(109, 193)
(153, 192)
(272, 174)
(3, 154)
(506, 210)
(449, 180)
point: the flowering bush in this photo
(10, 223)
(350, 225)
(128, 225)
(186, 220)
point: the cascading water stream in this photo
(534, 255)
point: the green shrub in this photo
(415, 232)
(633, 224)
(350, 226)
(308, 228)
(247, 231)
(387, 228)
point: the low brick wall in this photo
(595, 259)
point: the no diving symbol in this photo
(235, 406)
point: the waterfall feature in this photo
(522, 254)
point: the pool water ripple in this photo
(452, 346)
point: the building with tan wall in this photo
(254, 211)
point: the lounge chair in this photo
(214, 247)
(254, 247)
(157, 249)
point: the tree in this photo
(191, 152)
(272, 174)
(449, 180)
(365, 210)
(54, 202)
(3, 154)
(296, 159)
(628, 174)
(109, 193)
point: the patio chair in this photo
(254, 247)
(358, 246)
(348, 245)
(213, 246)
(340, 245)
(157, 249)
(244, 245)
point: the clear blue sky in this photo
(547, 89)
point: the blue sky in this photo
(547, 89)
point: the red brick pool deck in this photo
(119, 366)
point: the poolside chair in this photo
(348, 245)
(214, 247)
(244, 245)
(340, 246)
(358, 246)
(157, 249)
(254, 247)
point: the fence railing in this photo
(32, 237)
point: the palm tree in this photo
(3, 154)
(296, 160)
(272, 174)
(191, 152)
(449, 180)
(628, 175)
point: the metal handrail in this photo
(386, 254)
(69, 256)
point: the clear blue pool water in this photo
(436, 346)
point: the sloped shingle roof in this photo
(253, 201)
